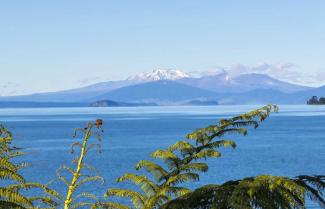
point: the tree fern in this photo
(264, 192)
(182, 163)
(179, 159)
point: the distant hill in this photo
(104, 103)
(91, 91)
(263, 96)
(7, 104)
(161, 92)
(224, 83)
(73, 95)
(303, 96)
(110, 103)
(259, 96)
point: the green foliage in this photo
(314, 187)
(83, 173)
(181, 161)
(13, 183)
(11, 196)
(265, 192)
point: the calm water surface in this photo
(289, 143)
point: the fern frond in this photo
(44, 200)
(31, 185)
(11, 205)
(14, 197)
(255, 192)
(156, 170)
(199, 136)
(85, 195)
(20, 166)
(170, 158)
(207, 153)
(147, 186)
(177, 191)
(60, 177)
(314, 187)
(7, 174)
(182, 178)
(245, 123)
(164, 154)
(137, 199)
(221, 133)
(13, 154)
(109, 205)
(5, 164)
(81, 205)
(179, 157)
(181, 146)
(90, 168)
(67, 168)
(87, 180)
(221, 143)
(202, 167)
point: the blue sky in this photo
(54, 45)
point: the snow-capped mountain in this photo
(160, 74)
(174, 85)
(226, 83)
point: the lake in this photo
(290, 143)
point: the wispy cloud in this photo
(273, 69)
(11, 88)
(284, 71)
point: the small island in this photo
(201, 103)
(315, 101)
(110, 103)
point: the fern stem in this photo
(76, 174)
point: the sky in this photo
(59, 44)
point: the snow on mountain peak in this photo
(160, 74)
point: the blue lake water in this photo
(289, 143)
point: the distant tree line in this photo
(315, 101)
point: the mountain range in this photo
(173, 87)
